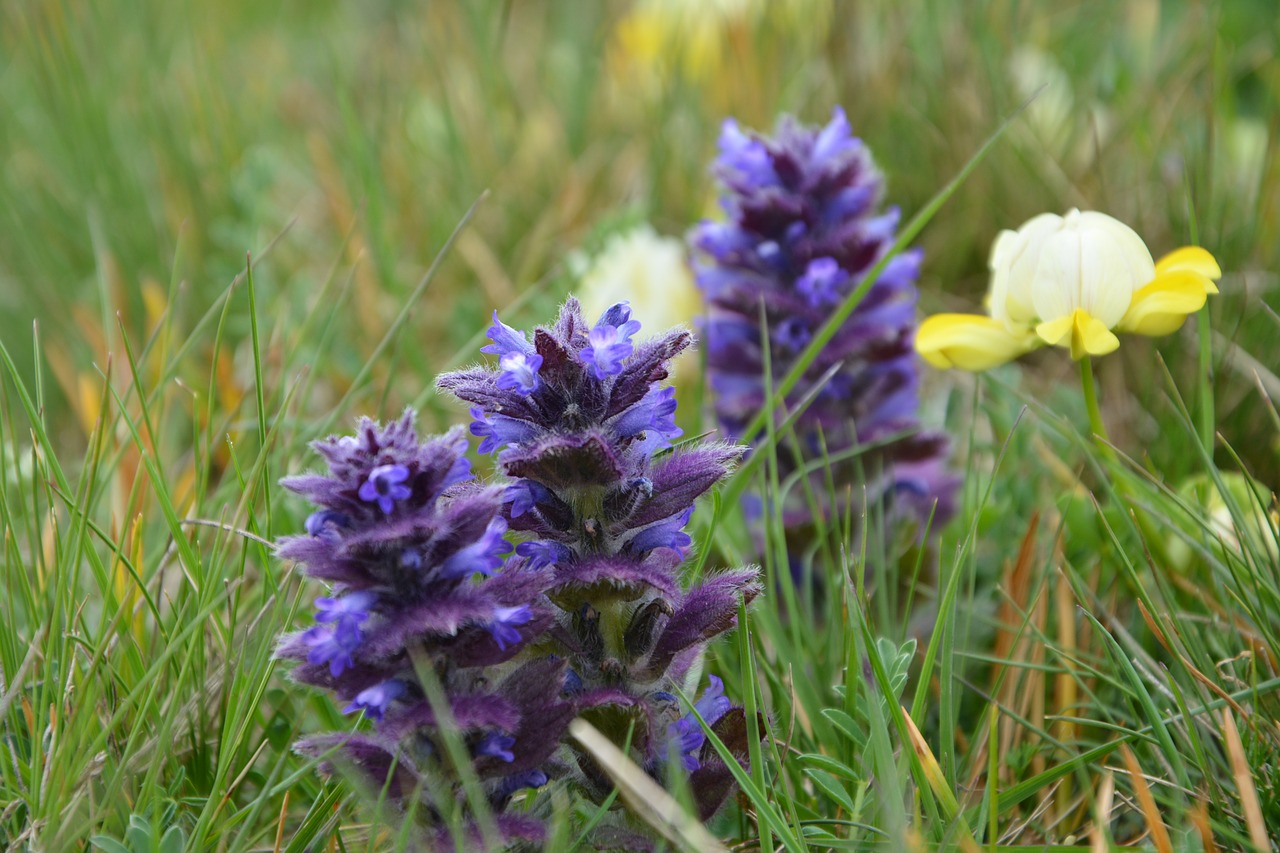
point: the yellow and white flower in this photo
(1070, 281)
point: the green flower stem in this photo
(1091, 403)
(1146, 528)
(1206, 381)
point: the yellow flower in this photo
(1070, 281)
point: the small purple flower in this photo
(792, 335)
(687, 734)
(352, 608)
(654, 413)
(483, 555)
(498, 430)
(375, 700)
(665, 534)
(326, 524)
(385, 486)
(523, 497)
(820, 285)
(503, 626)
(497, 745)
(609, 343)
(540, 554)
(327, 644)
(519, 372)
(520, 781)
(506, 340)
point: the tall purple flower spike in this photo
(603, 500)
(414, 551)
(803, 229)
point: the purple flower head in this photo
(519, 372)
(504, 623)
(601, 513)
(375, 700)
(414, 556)
(497, 745)
(385, 486)
(804, 230)
(483, 556)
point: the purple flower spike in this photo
(804, 230)
(385, 486)
(519, 372)
(505, 621)
(602, 515)
(483, 556)
(375, 700)
(497, 745)
(423, 586)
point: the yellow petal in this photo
(1084, 333)
(1158, 308)
(1191, 259)
(969, 342)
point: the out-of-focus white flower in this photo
(1035, 73)
(647, 270)
(1070, 281)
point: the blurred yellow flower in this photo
(647, 270)
(1070, 281)
(706, 42)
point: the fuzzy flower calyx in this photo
(1071, 281)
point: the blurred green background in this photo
(145, 147)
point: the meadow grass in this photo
(1086, 657)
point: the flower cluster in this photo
(414, 551)
(1070, 281)
(803, 230)
(584, 429)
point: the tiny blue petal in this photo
(375, 700)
